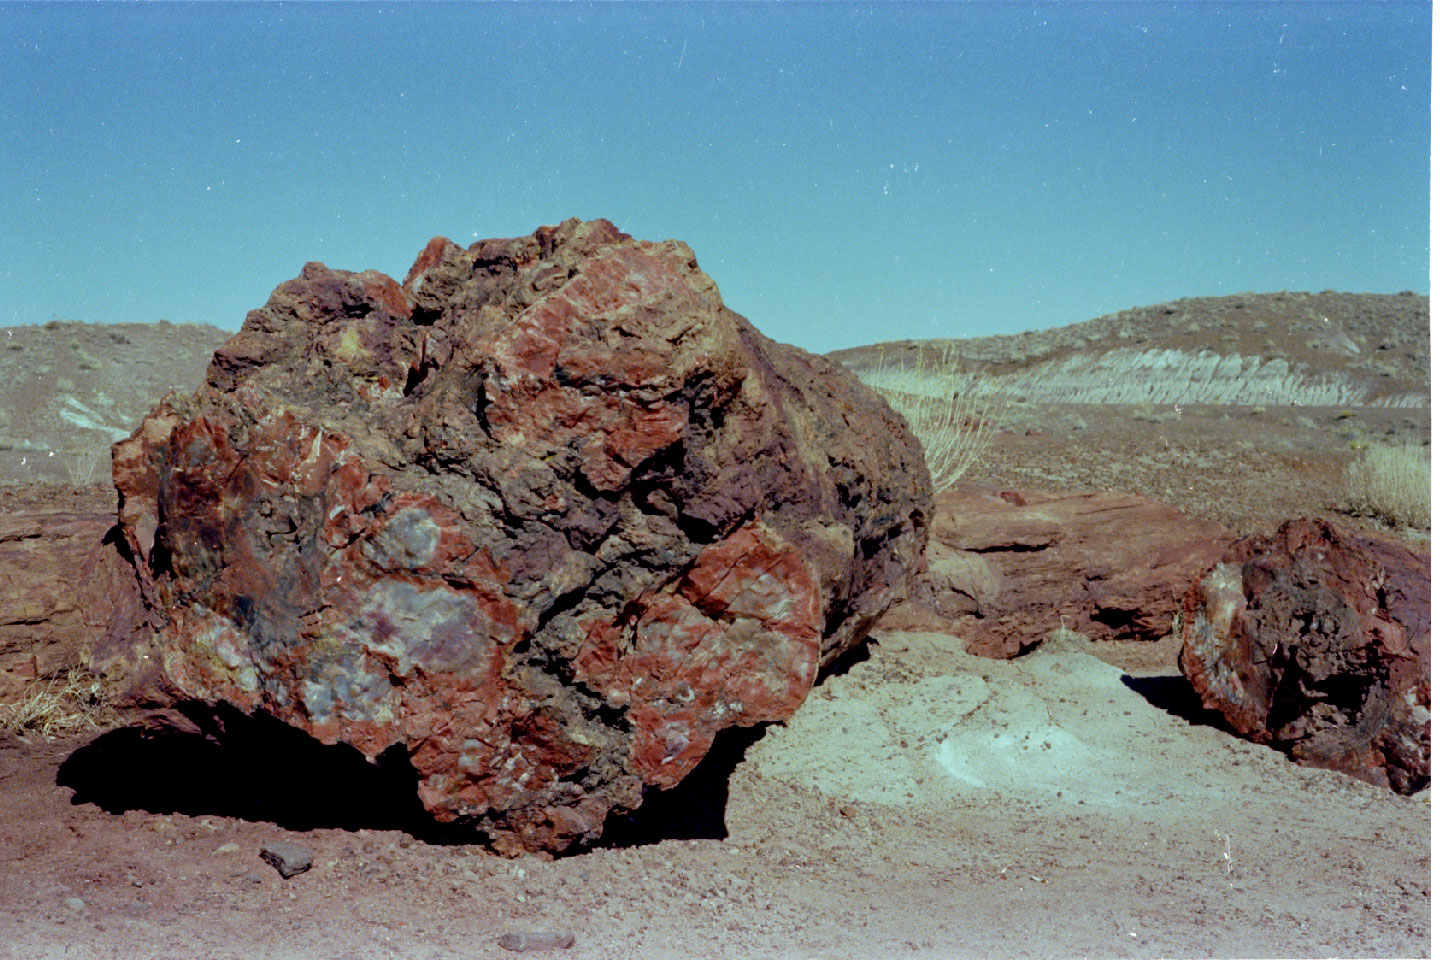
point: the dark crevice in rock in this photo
(1114, 618)
(563, 603)
(482, 401)
(1011, 548)
(847, 661)
(115, 537)
(591, 704)
(651, 481)
(161, 562)
(696, 530)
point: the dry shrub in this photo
(1063, 635)
(1392, 483)
(70, 702)
(951, 412)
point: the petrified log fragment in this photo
(547, 514)
(1317, 642)
(61, 584)
(1004, 569)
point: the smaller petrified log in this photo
(1003, 568)
(1317, 642)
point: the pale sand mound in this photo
(1059, 725)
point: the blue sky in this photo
(848, 173)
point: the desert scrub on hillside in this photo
(83, 466)
(951, 411)
(73, 701)
(1392, 483)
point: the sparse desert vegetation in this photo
(71, 702)
(1392, 483)
(1246, 410)
(951, 411)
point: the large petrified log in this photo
(1317, 642)
(547, 514)
(1004, 569)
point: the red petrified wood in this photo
(1317, 642)
(1004, 569)
(547, 514)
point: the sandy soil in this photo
(922, 803)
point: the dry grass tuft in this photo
(1063, 635)
(70, 702)
(951, 412)
(1392, 483)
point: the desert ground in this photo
(1074, 802)
(923, 803)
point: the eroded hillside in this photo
(1310, 349)
(68, 390)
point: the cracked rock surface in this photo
(1316, 641)
(546, 516)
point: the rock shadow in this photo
(1175, 696)
(847, 661)
(260, 769)
(254, 768)
(693, 809)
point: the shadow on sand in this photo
(1175, 696)
(259, 769)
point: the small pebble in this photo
(228, 848)
(75, 904)
(288, 858)
(537, 940)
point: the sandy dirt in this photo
(922, 803)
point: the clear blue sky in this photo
(848, 173)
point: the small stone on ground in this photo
(288, 858)
(537, 940)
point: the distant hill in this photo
(68, 390)
(1315, 349)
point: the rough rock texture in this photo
(547, 515)
(1317, 642)
(60, 587)
(1006, 568)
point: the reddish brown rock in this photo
(1317, 642)
(61, 585)
(1005, 568)
(547, 515)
